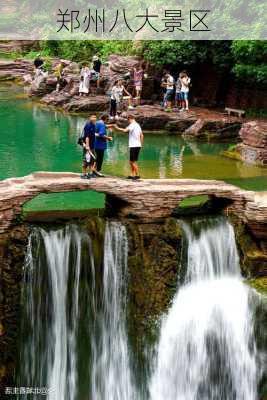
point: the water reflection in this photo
(35, 138)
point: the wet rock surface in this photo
(13, 247)
(198, 123)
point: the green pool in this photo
(37, 139)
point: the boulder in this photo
(254, 133)
(253, 148)
(252, 155)
(194, 130)
(56, 99)
(153, 117)
(90, 103)
(180, 125)
(216, 129)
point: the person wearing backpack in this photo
(87, 141)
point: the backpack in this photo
(80, 140)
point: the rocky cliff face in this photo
(253, 148)
(13, 247)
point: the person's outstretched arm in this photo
(125, 130)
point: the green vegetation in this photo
(245, 59)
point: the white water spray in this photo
(111, 372)
(55, 274)
(206, 349)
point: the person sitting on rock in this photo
(85, 76)
(138, 82)
(96, 65)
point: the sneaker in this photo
(136, 178)
(182, 109)
(130, 177)
(85, 176)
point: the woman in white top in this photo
(185, 81)
(116, 98)
(85, 80)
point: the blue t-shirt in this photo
(89, 131)
(101, 130)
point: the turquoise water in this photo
(34, 138)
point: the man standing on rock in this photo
(101, 143)
(96, 64)
(88, 143)
(136, 140)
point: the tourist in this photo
(163, 89)
(38, 62)
(84, 80)
(117, 98)
(96, 64)
(88, 143)
(101, 142)
(59, 74)
(169, 92)
(138, 82)
(185, 80)
(178, 95)
(136, 139)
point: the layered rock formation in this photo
(253, 148)
(146, 200)
(199, 123)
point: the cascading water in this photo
(61, 294)
(51, 298)
(206, 349)
(111, 372)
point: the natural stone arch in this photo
(146, 200)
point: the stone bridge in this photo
(146, 200)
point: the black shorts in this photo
(134, 153)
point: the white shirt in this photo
(170, 83)
(135, 133)
(185, 84)
(117, 93)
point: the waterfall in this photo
(111, 376)
(206, 348)
(57, 302)
(49, 323)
